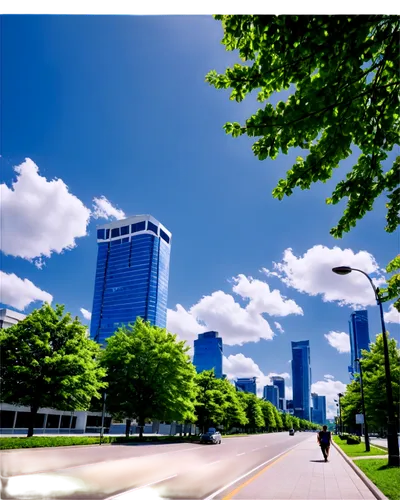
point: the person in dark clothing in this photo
(324, 440)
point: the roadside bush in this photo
(351, 439)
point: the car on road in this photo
(212, 437)
(291, 432)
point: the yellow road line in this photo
(259, 473)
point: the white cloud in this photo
(329, 376)
(392, 316)
(330, 389)
(312, 274)
(86, 314)
(288, 392)
(278, 326)
(238, 366)
(339, 340)
(105, 210)
(236, 324)
(19, 293)
(39, 217)
(262, 299)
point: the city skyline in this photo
(90, 149)
(301, 376)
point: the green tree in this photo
(268, 414)
(234, 413)
(278, 418)
(150, 375)
(374, 378)
(48, 361)
(209, 405)
(344, 72)
(254, 411)
(351, 403)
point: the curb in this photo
(370, 485)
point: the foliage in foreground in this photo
(386, 478)
(357, 450)
(344, 72)
(47, 361)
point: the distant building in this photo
(8, 318)
(280, 383)
(318, 409)
(271, 394)
(247, 384)
(208, 350)
(131, 275)
(359, 338)
(289, 406)
(301, 375)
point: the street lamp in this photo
(340, 413)
(392, 440)
(367, 447)
(103, 412)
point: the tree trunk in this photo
(127, 427)
(32, 418)
(141, 426)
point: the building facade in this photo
(271, 394)
(280, 383)
(208, 352)
(318, 409)
(8, 318)
(359, 338)
(289, 406)
(131, 275)
(247, 384)
(301, 376)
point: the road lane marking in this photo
(238, 455)
(121, 495)
(255, 449)
(213, 495)
(230, 495)
(211, 463)
(100, 462)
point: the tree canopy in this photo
(47, 361)
(344, 75)
(149, 374)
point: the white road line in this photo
(211, 463)
(101, 462)
(238, 455)
(213, 495)
(255, 449)
(127, 492)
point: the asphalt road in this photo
(169, 471)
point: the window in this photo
(139, 226)
(115, 232)
(115, 242)
(125, 240)
(100, 234)
(124, 230)
(107, 234)
(152, 227)
(53, 421)
(65, 421)
(164, 236)
(7, 418)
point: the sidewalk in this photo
(302, 474)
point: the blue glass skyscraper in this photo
(301, 375)
(318, 409)
(359, 338)
(280, 384)
(131, 275)
(247, 385)
(271, 394)
(208, 350)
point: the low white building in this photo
(8, 318)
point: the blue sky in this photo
(117, 107)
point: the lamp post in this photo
(340, 395)
(367, 447)
(392, 440)
(103, 411)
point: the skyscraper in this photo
(271, 394)
(208, 349)
(359, 338)
(301, 375)
(318, 409)
(280, 383)
(247, 384)
(131, 275)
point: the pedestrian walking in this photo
(324, 439)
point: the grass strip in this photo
(386, 478)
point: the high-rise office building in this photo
(271, 394)
(359, 338)
(318, 409)
(131, 275)
(289, 406)
(280, 383)
(247, 384)
(301, 376)
(208, 349)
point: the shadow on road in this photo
(317, 461)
